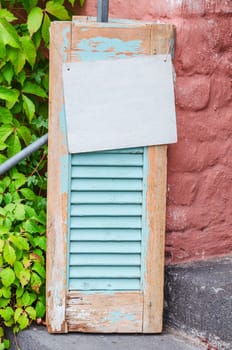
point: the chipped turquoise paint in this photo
(145, 223)
(65, 163)
(101, 48)
(65, 42)
(117, 316)
(65, 166)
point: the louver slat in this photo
(106, 220)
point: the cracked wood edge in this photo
(105, 313)
(57, 176)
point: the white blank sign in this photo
(119, 103)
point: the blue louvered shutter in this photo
(107, 194)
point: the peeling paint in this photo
(99, 48)
(60, 310)
(65, 42)
(118, 316)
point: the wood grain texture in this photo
(160, 43)
(104, 313)
(156, 208)
(57, 195)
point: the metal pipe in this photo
(10, 163)
(103, 11)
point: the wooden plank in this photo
(162, 36)
(105, 234)
(118, 172)
(105, 247)
(106, 185)
(104, 284)
(106, 222)
(106, 197)
(113, 159)
(87, 210)
(154, 270)
(105, 259)
(57, 186)
(105, 271)
(98, 312)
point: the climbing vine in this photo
(24, 43)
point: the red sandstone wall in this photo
(199, 212)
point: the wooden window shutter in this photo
(106, 210)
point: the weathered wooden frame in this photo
(147, 305)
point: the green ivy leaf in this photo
(19, 292)
(72, 2)
(9, 95)
(82, 2)
(31, 312)
(25, 134)
(4, 13)
(21, 77)
(6, 292)
(18, 267)
(8, 73)
(24, 277)
(45, 29)
(2, 48)
(17, 58)
(18, 312)
(20, 242)
(40, 242)
(6, 343)
(9, 34)
(34, 20)
(2, 146)
(37, 267)
(28, 298)
(14, 145)
(35, 282)
(9, 254)
(34, 89)
(23, 321)
(57, 10)
(29, 49)
(7, 313)
(28, 107)
(5, 116)
(28, 194)
(40, 309)
(19, 212)
(7, 276)
(2, 242)
(4, 302)
(19, 179)
(5, 132)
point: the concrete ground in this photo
(37, 338)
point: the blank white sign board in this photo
(119, 103)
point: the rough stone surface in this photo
(198, 301)
(199, 220)
(37, 338)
